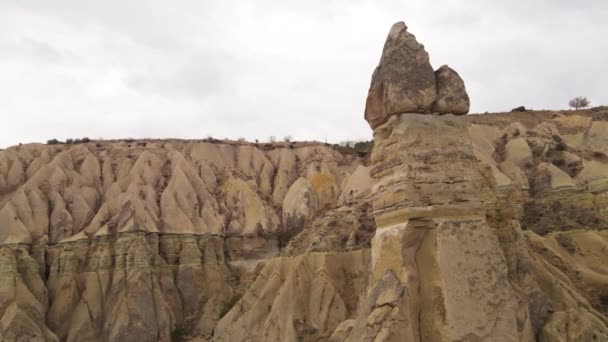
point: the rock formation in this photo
(404, 82)
(117, 241)
(455, 228)
(450, 261)
(452, 96)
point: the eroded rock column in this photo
(438, 272)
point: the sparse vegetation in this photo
(519, 109)
(179, 333)
(229, 304)
(287, 138)
(356, 147)
(53, 142)
(500, 152)
(68, 141)
(567, 243)
(604, 299)
(272, 139)
(560, 144)
(579, 102)
(574, 168)
(211, 139)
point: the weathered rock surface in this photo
(299, 205)
(403, 82)
(65, 193)
(432, 222)
(297, 298)
(496, 230)
(452, 95)
(115, 241)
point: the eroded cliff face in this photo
(450, 260)
(136, 241)
(456, 228)
(459, 251)
(485, 227)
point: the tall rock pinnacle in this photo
(404, 82)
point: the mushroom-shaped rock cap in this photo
(403, 82)
(451, 94)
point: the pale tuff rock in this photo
(452, 96)
(24, 298)
(571, 326)
(172, 235)
(404, 82)
(438, 210)
(449, 259)
(518, 152)
(431, 217)
(250, 215)
(342, 331)
(550, 177)
(344, 228)
(81, 191)
(144, 237)
(357, 186)
(303, 297)
(299, 205)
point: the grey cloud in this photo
(258, 68)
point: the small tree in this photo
(53, 142)
(287, 138)
(579, 102)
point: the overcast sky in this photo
(192, 69)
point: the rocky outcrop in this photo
(139, 241)
(135, 287)
(437, 270)
(299, 205)
(64, 193)
(450, 260)
(297, 298)
(455, 256)
(404, 82)
(452, 96)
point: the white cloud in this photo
(259, 68)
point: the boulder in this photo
(403, 82)
(299, 205)
(452, 96)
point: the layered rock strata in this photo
(138, 241)
(437, 270)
